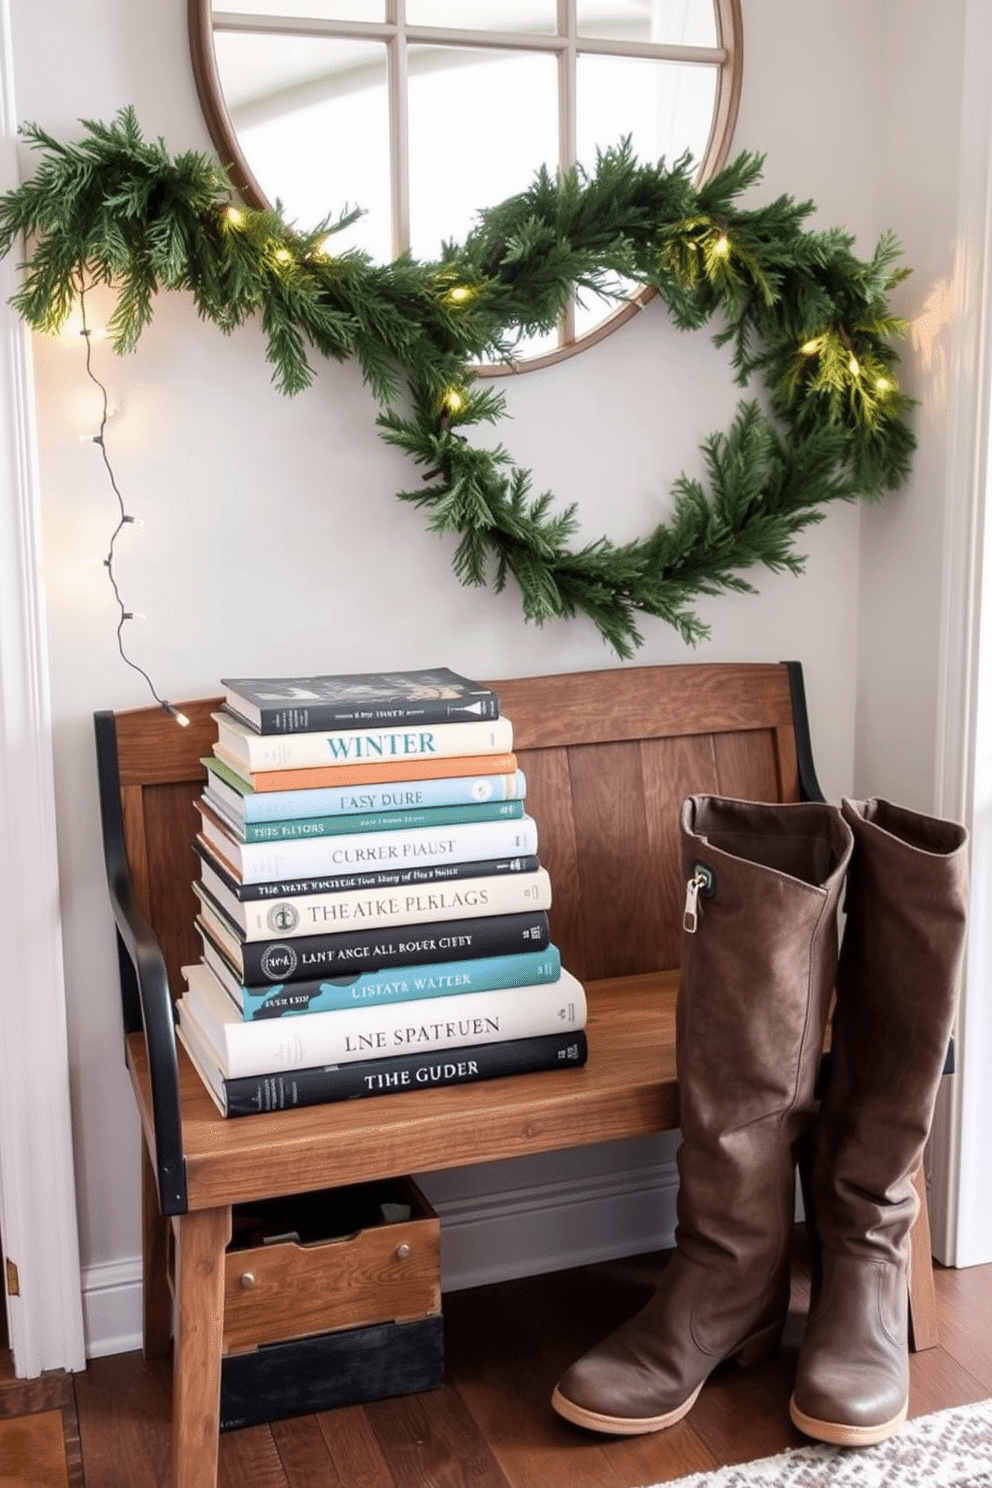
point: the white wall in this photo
(273, 542)
(901, 596)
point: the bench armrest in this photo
(145, 996)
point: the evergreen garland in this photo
(798, 308)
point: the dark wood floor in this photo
(491, 1426)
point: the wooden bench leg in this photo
(156, 1296)
(923, 1331)
(200, 1240)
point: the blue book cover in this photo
(245, 804)
(398, 984)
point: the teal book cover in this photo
(372, 821)
(402, 984)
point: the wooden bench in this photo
(609, 756)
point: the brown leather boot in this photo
(759, 954)
(897, 987)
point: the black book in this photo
(301, 705)
(250, 1095)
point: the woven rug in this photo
(951, 1449)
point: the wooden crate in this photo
(314, 1263)
(330, 1299)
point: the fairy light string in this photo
(125, 518)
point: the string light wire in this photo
(125, 520)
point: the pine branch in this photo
(796, 307)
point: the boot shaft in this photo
(897, 992)
(759, 954)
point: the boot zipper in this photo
(690, 914)
(701, 881)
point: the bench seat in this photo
(627, 1088)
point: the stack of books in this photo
(372, 907)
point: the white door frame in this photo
(37, 1185)
(961, 1199)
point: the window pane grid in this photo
(271, 24)
(582, 38)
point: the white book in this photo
(361, 746)
(409, 904)
(203, 1059)
(315, 857)
(346, 1035)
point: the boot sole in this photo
(838, 1434)
(620, 1425)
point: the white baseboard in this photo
(112, 1307)
(553, 1226)
(544, 1225)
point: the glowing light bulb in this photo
(234, 217)
(72, 328)
(855, 366)
(722, 245)
(884, 384)
(283, 255)
(458, 293)
(454, 401)
(810, 348)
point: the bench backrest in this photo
(609, 756)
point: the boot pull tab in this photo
(701, 882)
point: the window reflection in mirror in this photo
(421, 112)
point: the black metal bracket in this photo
(146, 1001)
(809, 785)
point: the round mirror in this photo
(421, 112)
